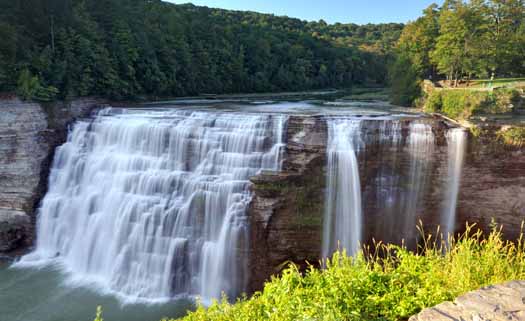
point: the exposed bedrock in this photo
(287, 209)
(493, 184)
(29, 133)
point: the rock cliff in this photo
(29, 133)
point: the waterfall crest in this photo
(152, 204)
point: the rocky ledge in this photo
(29, 133)
(494, 303)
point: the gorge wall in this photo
(29, 133)
(286, 213)
(400, 169)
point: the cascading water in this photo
(397, 163)
(456, 141)
(420, 145)
(343, 213)
(152, 203)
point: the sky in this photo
(344, 11)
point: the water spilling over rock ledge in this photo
(404, 168)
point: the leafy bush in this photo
(514, 136)
(29, 87)
(391, 284)
(463, 103)
(434, 102)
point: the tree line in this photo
(460, 40)
(128, 49)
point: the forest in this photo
(460, 41)
(131, 49)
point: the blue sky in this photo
(356, 11)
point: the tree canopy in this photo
(461, 40)
(124, 49)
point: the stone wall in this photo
(29, 133)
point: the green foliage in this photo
(514, 136)
(434, 102)
(29, 87)
(390, 284)
(98, 317)
(463, 103)
(406, 84)
(463, 40)
(126, 49)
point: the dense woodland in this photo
(127, 49)
(461, 40)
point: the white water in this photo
(151, 204)
(343, 213)
(421, 146)
(456, 141)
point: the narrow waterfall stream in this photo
(343, 212)
(151, 204)
(456, 140)
(400, 161)
(421, 143)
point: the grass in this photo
(386, 283)
(507, 82)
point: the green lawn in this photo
(506, 82)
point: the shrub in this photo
(434, 102)
(393, 283)
(514, 136)
(463, 103)
(29, 87)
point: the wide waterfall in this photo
(343, 213)
(151, 204)
(456, 141)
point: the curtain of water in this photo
(152, 204)
(343, 213)
(456, 141)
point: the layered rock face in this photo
(29, 133)
(287, 208)
(404, 182)
(493, 185)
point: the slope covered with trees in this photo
(54, 49)
(460, 40)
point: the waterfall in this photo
(421, 146)
(342, 217)
(151, 204)
(456, 141)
